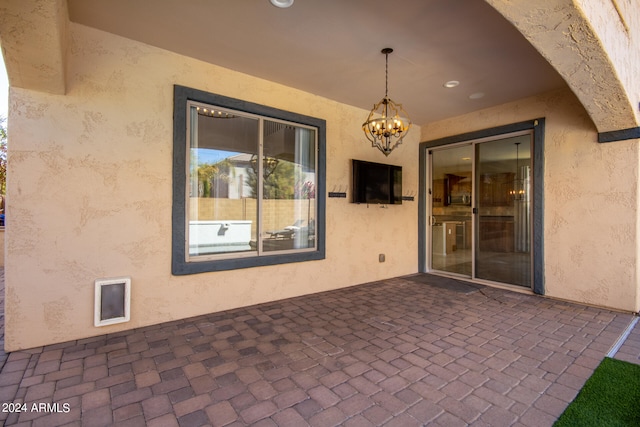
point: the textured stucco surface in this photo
(34, 43)
(590, 199)
(593, 45)
(617, 24)
(90, 190)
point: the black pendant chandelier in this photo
(388, 123)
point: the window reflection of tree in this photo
(214, 179)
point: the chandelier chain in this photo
(386, 76)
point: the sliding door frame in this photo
(537, 126)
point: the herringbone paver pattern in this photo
(394, 352)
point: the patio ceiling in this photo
(332, 47)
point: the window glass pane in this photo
(222, 203)
(503, 251)
(289, 187)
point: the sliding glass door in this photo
(480, 209)
(503, 238)
(451, 220)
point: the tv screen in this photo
(376, 183)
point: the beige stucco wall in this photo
(593, 45)
(90, 189)
(617, 25)
(590, 199)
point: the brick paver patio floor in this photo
(395, 352)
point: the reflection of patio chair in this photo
(299, 224)
(281, 234)
(296, 236)
(285, 233)
(289, 231)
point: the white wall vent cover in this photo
(112, 301)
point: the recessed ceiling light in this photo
(281, 3)
(476, 95)
(451, 83)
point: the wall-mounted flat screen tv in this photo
(376, 183)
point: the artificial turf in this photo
(611, 397)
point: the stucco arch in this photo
(588, 43)
(34, 43)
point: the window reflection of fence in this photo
(277, 213)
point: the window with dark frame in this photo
(248, 184)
